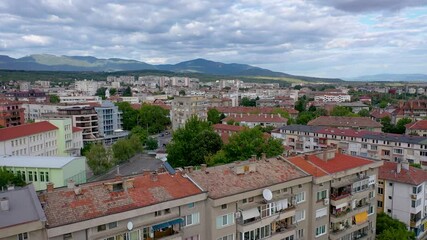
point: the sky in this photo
(323, 38)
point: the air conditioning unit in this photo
(237, 215)
(414, 196)
(326, 201)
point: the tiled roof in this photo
(332, 121)
(418, 125)
(222, 181)
(318, 167)
(76, 129)
(255, 118)
(227, 127)
(379, 113)
(343, 132)
(63, 206)
(413, 176)
(266, 110)
(25, 130)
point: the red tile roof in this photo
(226, 127)
(25, 130)
(344, 132)
(379, 113)
(63, 206)
(418, 125)
(256, 118)
(318, 167)
(413, 176)
(266, 110)
(76, 129)
(331, 121)
(136, 106)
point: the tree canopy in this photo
(99, 159)
(54, 98)
(391, 229)
(129, 115)
(246, 102)
(154, 118)
(214, 116)
(9, 178)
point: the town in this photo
(158, 157)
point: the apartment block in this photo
(110, 123)
(342, 203)
(417, 128)
(184, 107)
(356, 123)
(402, 193)
(34, 139)
(11, 113)
(252, 120)
(256, 199)
(380, 146)
(332, 97)
(80, 99)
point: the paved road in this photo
(136, 165)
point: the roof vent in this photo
(4, 204)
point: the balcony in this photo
(258, 222)
(283, 232)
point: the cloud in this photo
(359, 6)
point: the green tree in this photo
(387, 125)
(388, 228)
(301, 104)
(123, 150)
(246, 102)
(154, 118)
(190, 144)
(152, 143)
(130, 115)
(214, 116)
(54, 98)
(9, 178)
(113, 91)
(100, 92)
(135, 143)
(181, 92)
(341, 111)
(141, 133)
(383, 104)
(282, 112)
(400, 125)
(127, 92)
(99, 159)
(364, 113)
(305, 117)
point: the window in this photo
(191, 219)
(22, 236)
(398, 151)
(322, 194)
(47, 176)
(224, 206)
(245, 200)
(167, 210)
(418, 189)
(190, 205)
(371, 210)
(300, 197)
(251, 199)
(321, 212)
(299, 215)
(228, 237)
(364, 145)
(353, 153)
(389, 210)
(112, 225)
(416, 203)
(389, 197)
(380, 204)
(102, 227)
(157, 213)
(117, 187)
(390, 184)
(300, 233)
(320, 230)
(289, 238)
(224, 220)
(372, 194)
(423, 153)
(68, 236)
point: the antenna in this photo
(267, 194)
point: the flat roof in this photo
(36, 161)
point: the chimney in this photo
(405, 165)
(203, 167)
(190, 169)
(399, 167)
(49, 187)
(118, 176)
(4, 204)
(153, 177)
(70, 183)
(253, 157)
(263, 156)
(306, 157)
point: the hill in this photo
(393, 78)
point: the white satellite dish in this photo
(130, 226)
(267, 194)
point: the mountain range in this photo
(392, 78)
(47, 62)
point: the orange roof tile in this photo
(332, 121)
(418, 125)
(76, 129)
(227, 127)
(25, 130)
(413, 176)
(256, 118)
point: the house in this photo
(413, 109)
(40, 170)
(252, 120)
(21, 214)
(225, 130)
(417, 128)
(401, 195)
(11, 113)
(356, 123)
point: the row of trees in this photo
(152, 118)
(197, 143)
(392, 229)
(398, 128)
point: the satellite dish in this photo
(267, 194)
(130, 226)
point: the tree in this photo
(297, 87)
(387, 126)
(113, 91)
(301, 104)
(383, 104)
(151, 143)
(190, 144)
(54, 98)
(123, 150)
(181, 92)
(305, 117)
(246, 102)
(9, 178)
(127, 92)
(364, 113)
(141, 133)
(99, 159)
(282, 112)
(400, 125)
(388, 228)
(154, 118)
(214, 116)
(129, 115)
(100, 92)
(341, 111)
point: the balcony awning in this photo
(342, 205)
(167, 224)
(251, 213)
(361, 217)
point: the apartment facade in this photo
(11, 113)
(34, 139)
(417, 128)
(184, 107)
(332, 97)
(80, 99)
(356, 123)
(402, 195)
(110, 123)
(253, 120)
(380, 146)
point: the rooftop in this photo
(222, 181)
(76, 129)
(25, 130)
(418, 125)
(413, 176)
(227, 127)
(36, 161)
(24, 207)
(266, 110)
(333, 121)
(96, 199)
(255, 118)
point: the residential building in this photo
(252, 120)
(77, 143)
(11, 113)
(356, 123)
(21, 214)
(87, 87)
(342, 202)
(32, 95)
(380, 146)
(413, 109)
(80, 99)
(417, 128)
(401, 195)
(256, 110)
(355, 106)
(40, 170)
(184, 107)
(332, 97)
(264, 199)
(34, 139)
(225, 130)
(166, 205)
(35, 111)
(110, 123)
